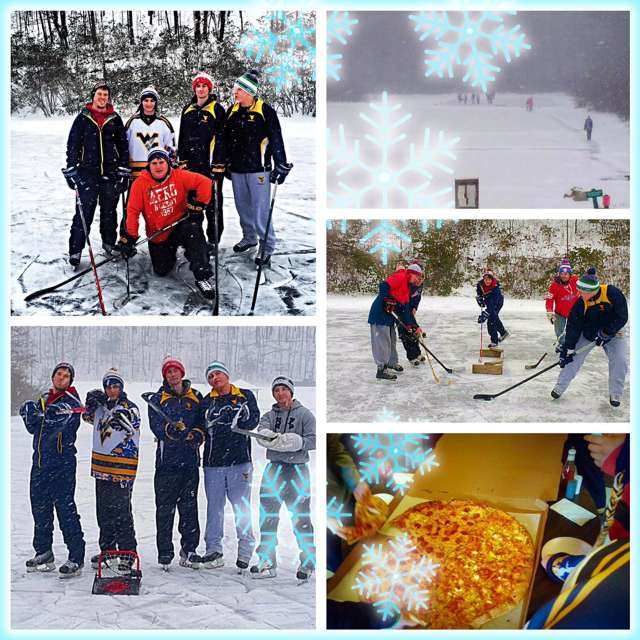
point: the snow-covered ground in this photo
(523, 159)
(179, 599)
(41, 212)
(453, 335)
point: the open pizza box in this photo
(517, 473)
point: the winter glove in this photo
(195, 209)
(173, 159)
(121, 421)
(269, 437)
(194, 438)
(389, 305)
(551, 317)
(127, 246)
(483, 317)
(285, 443)
(566, 356)
(602, 338)
(280, 173)
(218, 172)
(414, 332)
(123, 178)
(30, 411)
(72, 176)
(95, 398)
(176, 430)
(481, 301)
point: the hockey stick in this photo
(75, 276)
(252, 434)
(433, 372)
(216, 304)
(146, 396)
(421, 343)
(545, 354)
(124, 217)
(491, 396)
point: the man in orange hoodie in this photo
(163, 195)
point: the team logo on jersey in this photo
(252, 117)
(205, 117)
(260, 179)
(149, 140)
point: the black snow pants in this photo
(114, 515)
(410, 344)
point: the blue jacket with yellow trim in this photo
(177, 447)
(252, 137)
(98, 150)
(223, 447)
(201, 137)
(53, 426)
(607, 311)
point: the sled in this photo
(118, 574)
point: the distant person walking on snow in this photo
(561, 296)
(489, 297)
(598, 316)
(529, 103)
(588, 127)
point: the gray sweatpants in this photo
(251, 192)
(559, 325)
(383, 344)
(616, 350)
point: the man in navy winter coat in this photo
(490, 299)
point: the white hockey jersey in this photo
(144, 134)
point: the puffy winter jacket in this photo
(162, 203)
(223, 447)
(53, 427)
(396, 286)
(99, 149)
(562, 296)
(177, 444)
(606, 311)
(201, 139)
(491, 294)
(298, 419)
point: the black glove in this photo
(413, 331)
(389, 305)
(121, 421)
(602, 338)
(480, 301)
(195, 209)
(72, 176)
(483, 317)
(280, 173)
(123, 178)
(566, 356)
(218, 172)
(95, 398)
(127, 246)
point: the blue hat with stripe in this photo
(216, 366)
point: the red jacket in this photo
(162, 203)
(562, 296)
(399, 286)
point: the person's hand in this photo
(551, 317)
(600, 447)
(566, 356)
(389, 305)
(195, 209)
(95, 398)
(121, 421)
(362, 492)
(218, 172)
(602, 338)
(123, 179)
(480, 301)
(31, 411)
(127, 246)
(483, 317)
(73, 178)
(280, 172)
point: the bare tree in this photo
(223, 19)
(196, 27)
(130, 27)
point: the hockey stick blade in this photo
(533, 366)
(252, 434)
(484, 396)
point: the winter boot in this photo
(241, 566)
(164, 561)
(265, 262)
(555, 394)
(416, 362)
(41, 562)
(109, 249)
(243, 245)
(493, 345)
(396, 367)
(304, 573)
(383, 374)
(70, 569)
(212, 560)
(614, 401)
(504, 336)
(190, 559)
(206, 288)
(264, 569)
(95, 559)
(74, 259)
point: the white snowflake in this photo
(393, 579)
(338, 31)
(388, 241)
(473, 41)
(393, 459)
(385, 165)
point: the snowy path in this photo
(179, 599)
(523, 160)
(354, 394)
(41, 212)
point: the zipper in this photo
(44, 408)
(60, 442)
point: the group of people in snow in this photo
(182, 184)
(183, 421)
(582, 310)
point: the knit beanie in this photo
(202, 78)
(565, 267)
(248, 82)
(169, 362)
(415, 268)
(101, 84)
(488, 272)
(112, 377)
(64, 365)
(159, 152)
(150, 92)
(588, 282)
(283, 380)
(216, 366)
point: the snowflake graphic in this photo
(473, 42)
(385, 165)
(342, 227)
(394, 578)
(389, 233)
(338, 31)
(393, 459)
(387, 416)
(243, 516)
(336, 512)
(286, 46)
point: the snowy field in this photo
(179, 599)
(453, 335)
(523, 160)
(42, 209)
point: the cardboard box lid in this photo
(509, 465)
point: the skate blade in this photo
(42, 568)
(165, 567)
(263, 575)
(212, 565)
(190, 565)
(68, 576)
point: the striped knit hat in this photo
(169, 362)
(150, 92)
(588, 282)
(64, 365)
(283, 380)
(159, 152)
(216, 366)
(415, 268)
(565, 267)
(488, 272)
(100, 84)
(112, 377)
(248, 82)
